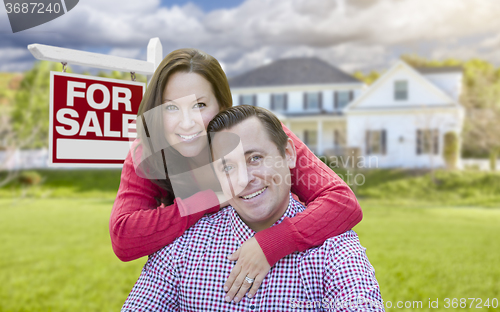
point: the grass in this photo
(452, 188)
(56, 254)
(424, 243)
(438, 252)
(68, 184)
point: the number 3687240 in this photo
(32, 7)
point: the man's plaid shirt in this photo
(189, 274)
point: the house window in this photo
(400, 90)
(248, 99)
(310, 137)
(279, 102)
(376, 142)
(312, 100)
(342, 98)
(427, 141)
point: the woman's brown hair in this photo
(182, 60)
(189, 61)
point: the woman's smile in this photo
(189, 137)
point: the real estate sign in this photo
(92, 119)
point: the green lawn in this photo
(56, 254)
(434, 252)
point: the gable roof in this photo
(439, 70)
(386, 76)
(292, 71)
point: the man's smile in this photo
(254, 194)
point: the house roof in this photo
(417, 74)
(292, 71)
(438, 70)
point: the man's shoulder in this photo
(348, 240)
(338, 247)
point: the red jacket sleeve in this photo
(138, 227)
(332, 208)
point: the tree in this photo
(451, 149)
(24, 122)
(9, 83)
(418, 61)
(30, 115)
(481, 99)
(368, 78)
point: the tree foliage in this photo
(367, 78)
(30, 114)
(451, 149)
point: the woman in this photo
(187, 90)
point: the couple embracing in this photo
(210, 192)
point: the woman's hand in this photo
(252, 263)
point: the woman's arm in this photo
(138, 227)
(331, 210)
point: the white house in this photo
(307, 94)
(400, 120)
(403, 117)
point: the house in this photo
(307, 94)
(399, 121)
(403, 117)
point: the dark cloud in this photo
(353, 34)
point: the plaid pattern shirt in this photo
(189, 274)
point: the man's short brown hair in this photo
(230, 117)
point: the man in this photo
(189, 274)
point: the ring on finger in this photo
(249, 280)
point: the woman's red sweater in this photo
(138, 227)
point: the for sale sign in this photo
(92, 120)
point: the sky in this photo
(242, 35)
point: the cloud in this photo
(14, 59)
(355, 34)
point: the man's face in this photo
(254, 175)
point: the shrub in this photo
(29, 178)
(493, 159)
(450, 151)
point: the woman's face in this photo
(188, 106)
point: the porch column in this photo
(319, 143)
